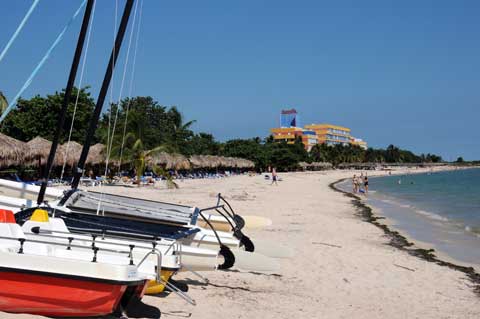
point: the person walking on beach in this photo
(365, 184)
(274, 176)
(355, 183)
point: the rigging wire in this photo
(111, 90)
(13, 102)
(131, 84)
(110, 102)
(122, 85)
(19, 28)
(112, 133)
(80, 81)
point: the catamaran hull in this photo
(61, 296)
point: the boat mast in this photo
(66, 100)
(103, 92)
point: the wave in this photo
(431, 215)
(473, 229)
(422, 212)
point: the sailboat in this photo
(42, 278)
(125, 215)
(41, 275)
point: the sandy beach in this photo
(343, 266)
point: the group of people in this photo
(358, 182)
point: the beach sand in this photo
(343, 266)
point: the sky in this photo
(396, 72)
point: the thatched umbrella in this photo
(196, 161)
(161, 158)
(213, 161)
(68, 153)
(229, 162)
(320, 165)
(180, 162)
(12, 151)
(96, 154)
(248, 163)
(39, 150)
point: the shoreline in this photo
(401, 242)
(342, 267)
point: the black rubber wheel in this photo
(247, 243)
(228, 256)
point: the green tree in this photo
(3, 102)
(202, 144)
(251, 149)
(38, 116)
(460, 160)
(319, 153)
(179, 132)
(136, 154)
(149, 121)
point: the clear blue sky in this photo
(401, 72)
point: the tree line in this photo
(142, 125)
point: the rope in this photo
(123, 80)
(111, 89)
(19, 28)
(13, 102)
(112, 135)
(131, 84)
(110, 102)
(78, 91)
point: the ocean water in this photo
(440, 209)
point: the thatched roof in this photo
(69, 153)
(39, 147)
(180, 162)
(12, 151)
(244, 163)
(96, 154)
(161, 158)
(315, 165)
(211, 161)
(196, 161)
(170, 161)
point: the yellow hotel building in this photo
(330, 134)
(312, 134)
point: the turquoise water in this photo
(441, 210)
(452, 196)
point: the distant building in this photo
(330, 134)
(289, 130)
(359, 142)
(313, 134)
(288, 118)
(287, 134)
(309, 139)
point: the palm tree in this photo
(140, 157)
(180, 131)
(3, 102)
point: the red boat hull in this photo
(56, 296)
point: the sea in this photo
(439, 209)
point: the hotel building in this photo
(312, 134)
(288, 130)
(331, 134)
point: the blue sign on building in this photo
(288, 118)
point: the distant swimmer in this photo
(399, 182)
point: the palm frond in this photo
(168, 178)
